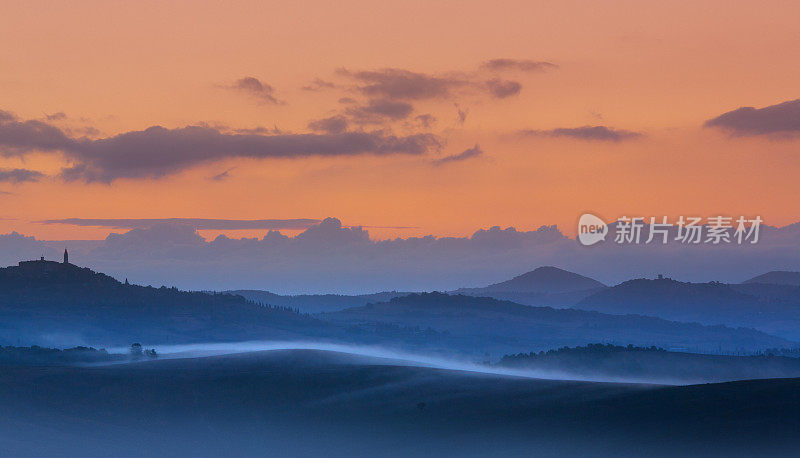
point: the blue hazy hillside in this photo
(62, 304)
(49, 302)
(777, 277)
(498, 326)
(543, 286)
(774, 309)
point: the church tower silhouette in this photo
(66, 256)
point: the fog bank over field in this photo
(329, 257)
(569, 371)
(375, 355)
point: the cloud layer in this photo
(253, 87)
(588, 133)
(783, 118)
(19, 175)
(330, 257)
(522, 65)
(470, 153)
(157, 151)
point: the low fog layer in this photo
(385, 356)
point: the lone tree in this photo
(136, 350)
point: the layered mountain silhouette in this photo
(772, 310)
(45, 303)
(495, 326)
(544, 286)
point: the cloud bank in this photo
(470, 153)
(19, 175)
(522, 65)
(331, 257)
(783, 118)
(157, 151)
(588, 133)
(257, 89)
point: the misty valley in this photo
(549, 361)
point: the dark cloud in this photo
(222, 176)
(400, 84)
(19, 137)
(783, 118)
(379, 111)
(395, 83)
(157, 151)
(318, 84)
(347, 100)
(87, 130)
(522, 65)
(255, 88)
(194, 223)
(19, 175)
(462, 115)
(589, 133)
(260, 130)
(503, 88)
(332, 125)
(56, 116)
(426, 121)
(470, 153)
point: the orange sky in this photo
(658, 68)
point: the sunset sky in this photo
(410, 117)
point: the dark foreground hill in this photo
(772, 309)
(44, 302)
(310, 403)
(544, 286)
(609, 362)
(496, 326)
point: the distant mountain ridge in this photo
(545, 279)
(500, 325)
(543, 286)
(775, 310)
(777, 277)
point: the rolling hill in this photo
(494, 326)
(544, 286)
(44, 302)
(767, 309)
(777, 277)
(312, 403)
